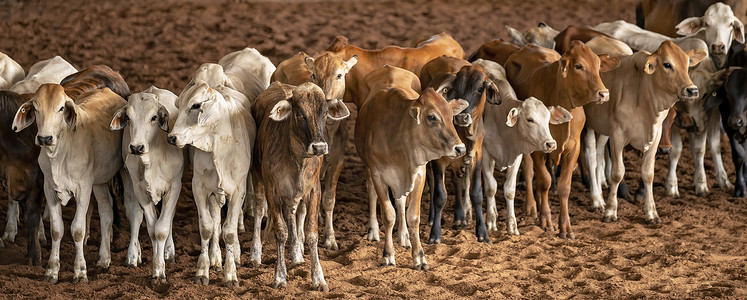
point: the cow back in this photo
(495, 50)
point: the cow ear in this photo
(559, 115)
(415, 113)
(696, 55)
(71, 115)
(491, 93)
(650, 65)
(351, 63)
(309, 63)
(518, 37)
(281, 110)
(689, 26)
(738, 31)
(564, 66)
(513, 116)
(119, 120)
(607, 63)
(337, 110)
(458, 105)
(25, 116)
(163, 118)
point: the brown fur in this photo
(495, 50)
(564, 38)
(93, 78)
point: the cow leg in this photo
(674, 157)
(373, 223)
(276, 207)
(490, 187)
(528, 166)
(647, 175)
(738, 155)
(328, 203)
(604, 166)
(206, 232)
(413, 220)
(509, 192)
(88, 223)
(713, 132)
(590, 157)
(56, 228)
(230, 236)
(666, 145)
(296, 252)
(317, 275)
(106, 216)
(431, 182)
(11, 226)
(564, 188)
(403, 238)
(388, 216)
(32, 216)
(134, 213)
(698, 148)
(438, 199)
(78, 230)
(163, 234)
(543, 189)
(616, 176)
(475, 172)
(260, 209)
(215, 252)
(300, 221)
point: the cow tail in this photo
(640, 19)
(116, 188)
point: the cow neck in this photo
(554, 93)
(153, 175)
(231, 144)
(66, 161)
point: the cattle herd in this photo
(269, 141)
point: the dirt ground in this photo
(698, 251)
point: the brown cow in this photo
(643, 89)
(396, 134)
(289, 150)
(662, 16)
(570, 81)
(571, 33)
(328, 71)
(407, 58)
(495, 50)
(542, 35)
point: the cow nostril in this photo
(171, 140)
(550, 145)
(44, 140)
(739, 123)
(692, 91)
(137, 149)
(460, 149)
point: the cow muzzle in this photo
(137, 149)
(736, 122)
(44, 140)
(550, 146)
(171, 140)
(690, 93)
(463, 119)
(718, 48)
(316, 149)
(458, 150)
(603, 96)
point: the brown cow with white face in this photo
(570, 81)
(397, 132)
(289, 151)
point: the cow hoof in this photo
(663, 150)
(701, 194)
(739, 193)
(232, 284)
(596, 209)
(218, 268)
(331, 244)
(50, 279)
(421, 267)
(434, 241)
(483, 239)
(253, 263)
(130, 265)
(202, 280)
(104, 263)
(549, 228)
(608, 219)
(568, 235)
(279, 284)
(321, 287)
(653, 221)
(158, 280)
(373, 235)
(170, 259)
(82, 279)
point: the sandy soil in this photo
(698, 251)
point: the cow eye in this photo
(667, 65)
(61, 108)
(530, 120)
(313, 77)
(479, 90)
(153, 119)
(339, 76)
(196, 105)
(431, 118)
(579, 67)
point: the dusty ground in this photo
(698, 251)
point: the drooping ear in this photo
(695, 56)
(689, 26)
(163, 118)
(513, 116)
(458, 105)
(559, 115)
(119, 120)
(738, 30)
(71, 115)
(492, 95)
(337, 110)
(25, 116)
(309, 63)
(415, 113)
(564, 61)
(281, 110)
(518, 37)
(607, 63)
(351, 63)
(650, 65)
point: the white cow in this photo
(218, 124)
(543, 35)
(526, 125)
(154, 167)
(718, 27)
(704, 125)
(51, 70)
(74, 165)
(10, 71)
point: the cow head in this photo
(201, 110)
(435, 128)
(305, 113)
(497, 75)
(542, 35)
(328, 72)
(472, 85)
(579, 67)
(532, 119)
(736, 98)
(145, 116)
(53, 111)
(720, 27)
(669, 65)
(212, 74)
